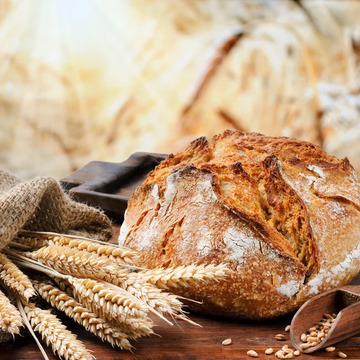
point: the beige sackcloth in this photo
(40, 204)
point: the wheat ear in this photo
(83, 316)
(15, 279)
(132, 326)
(159, 300)
(114, 302)
(115, 252)
(31, 242)
(79, 263)
(10, 317)
(62, 341)
(181, 276)
(118, 254)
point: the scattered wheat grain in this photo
(330, 348)
(252, 353)
(227, 342)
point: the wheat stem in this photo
(19, 246)
(23, 261)
(28, 325)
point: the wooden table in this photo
(186, 341)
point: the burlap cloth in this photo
(41, 204)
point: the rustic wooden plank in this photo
(189, 342)
(110, 185)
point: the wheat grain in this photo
(62, 341)
(252, 353)
(10, 317)
(181, 276)
(83, 316)
(15, 279)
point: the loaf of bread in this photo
(280, 212)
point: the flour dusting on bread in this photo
(279, 212)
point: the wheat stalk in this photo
(133, 326)
(105, 298)
(141, 285)
(15, 279)
(81, 263)
(10, 317)
(181, 276)
(62, 341)
(31, 330)
(83, 316)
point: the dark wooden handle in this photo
(355, 289)
(110, 185)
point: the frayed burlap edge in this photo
(40, 204)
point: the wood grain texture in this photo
(345, 302)
(186, 341)
(110, 185)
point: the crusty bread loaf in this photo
(283, 214)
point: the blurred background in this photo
(84, 80)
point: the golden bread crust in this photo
(280, 212)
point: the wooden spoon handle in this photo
(350, 294)
(352, 288)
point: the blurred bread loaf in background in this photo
(153, 75)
